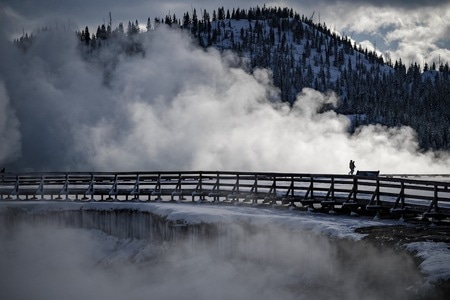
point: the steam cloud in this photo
(9, 130)
(46, 262)
(177, 108)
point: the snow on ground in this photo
(436, 259)
(435, 256)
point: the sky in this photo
(179, 107)
(415, 31)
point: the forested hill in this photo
(301, 53)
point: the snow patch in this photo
(436, 259)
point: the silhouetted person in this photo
(2, 170)
(352, 167)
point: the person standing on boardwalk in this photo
(352, 167)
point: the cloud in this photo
(413, 4)
(418, 35)
(407, 33)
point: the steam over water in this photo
(41, 258)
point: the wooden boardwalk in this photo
(363, 193)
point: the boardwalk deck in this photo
(362, 193)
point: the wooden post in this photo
(17, 188)
(330, 191)
(434, 203)
(215, 192)
(401, 197)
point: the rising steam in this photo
(177, 108)
(48, 262)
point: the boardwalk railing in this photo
(333, 193)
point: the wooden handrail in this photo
(299, 189)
